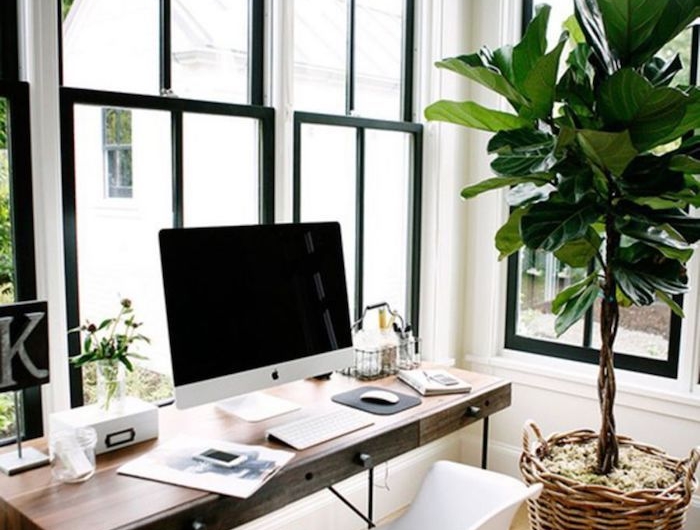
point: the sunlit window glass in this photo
(117, 242)
(210, 49)
(378, 46)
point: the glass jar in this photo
(72, 454)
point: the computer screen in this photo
(249, 307)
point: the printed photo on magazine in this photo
(218, 466)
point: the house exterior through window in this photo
(117, 153)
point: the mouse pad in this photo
(352, 399)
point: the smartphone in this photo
(220, 458)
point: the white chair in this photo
(459, 497)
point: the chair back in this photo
(455, 496)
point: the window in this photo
(117, 153)
(185, 161)
(17, 265)
(357, 156)
(185, 135)
(648, 337)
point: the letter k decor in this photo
(24, 345)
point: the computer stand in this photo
(257, 406)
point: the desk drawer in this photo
(463, 414)
(292, 483)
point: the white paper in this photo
(173, 462)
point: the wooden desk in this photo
(32, 501)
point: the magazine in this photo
(209, 465)
(433, 382)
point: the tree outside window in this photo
(6, 259)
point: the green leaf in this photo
(549, 225)
(628, 100)
(488, 185)
(640, 282)
(686, 225)
(521, 152)
(502, 59)
(621, 96)
(658, 117)
(572, 290)
(579, 252)
(690, 120)
(638, 29)
(670, 302)
(591, 23)
(527, 193)
(540, 83)
(664, 240)
(473, 67)
(650, 175)
(532, 46)
(575, 180)
(684, 164)
(575, 308)
(508, 239)
(471, 114)
(628, 24)
(611, 151)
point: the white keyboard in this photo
(304, 433)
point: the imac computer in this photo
(250, 307)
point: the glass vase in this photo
(111, 386)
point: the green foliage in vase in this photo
(599, 154)
(112, 339)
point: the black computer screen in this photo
(243, 297)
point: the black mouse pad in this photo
(352, 399)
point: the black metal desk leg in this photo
(370, 498)
(485, 442)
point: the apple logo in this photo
(275, 375)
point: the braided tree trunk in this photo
(608, 451)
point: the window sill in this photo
(638, 391)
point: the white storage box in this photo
(137, 423)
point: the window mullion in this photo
(256, 43)
(350, 73)
(165, 47)
(407, 55)
(177, 135)
(359, 220)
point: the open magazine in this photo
(209, 465)
(432, 382)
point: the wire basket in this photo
(566, 504)
(381, 357)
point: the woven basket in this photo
(566, 504)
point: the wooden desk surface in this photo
(33, 501)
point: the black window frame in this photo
(361, 125)
(404, 125)
(16, 93)
(664, 368)
(177, 107)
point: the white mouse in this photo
(380, 397)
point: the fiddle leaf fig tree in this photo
(599, 154)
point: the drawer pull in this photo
(365, 460)
(473, 411)
(199, 525)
